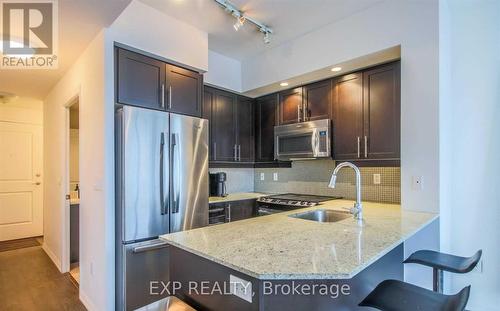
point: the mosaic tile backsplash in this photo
(311, 177)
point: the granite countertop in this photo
(281, 247)
(237, 197)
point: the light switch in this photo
(376, 179)
(275, 176)
(262, 176)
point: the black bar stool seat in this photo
(445, 262)
(393, 295)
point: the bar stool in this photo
(394, 295)
(440, 262)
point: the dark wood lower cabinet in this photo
(237, 210)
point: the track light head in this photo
(239, 23)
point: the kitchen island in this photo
(277, 252)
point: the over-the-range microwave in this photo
(302, 141)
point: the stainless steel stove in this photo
(288, 202)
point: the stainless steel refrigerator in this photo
(161, 187)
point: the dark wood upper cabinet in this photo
(317, 100)
(150, 83)
(208, 104)
(381, 104)
(266, 117)
(347, 114)
(184, 91)
(224, 126)
(140, 80)
(291, 108)
(366, 114)
(245, 129)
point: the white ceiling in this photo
(81, 20)
(288, 19)
(79, 23)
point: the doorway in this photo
(21, 168)
(74, 190)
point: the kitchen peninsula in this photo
(283, 251)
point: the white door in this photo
(21, 192)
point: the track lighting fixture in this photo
(240, 21)
(241, 18)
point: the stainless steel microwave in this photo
(302, 141)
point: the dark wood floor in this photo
(30, 281)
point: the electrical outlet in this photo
(262, 176)
(240, 288)
(275, 176)
(417, 183)
(376, 179)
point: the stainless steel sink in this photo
(322, 215)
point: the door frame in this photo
(65, 260)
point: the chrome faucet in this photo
(357, 210)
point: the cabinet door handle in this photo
(215, 151)
(235, 152)
(228, 218)
(298, 113)
(358, 147)
(305, 112)
(366, 147)
(239, 153)
(163, 95)
(169, 97)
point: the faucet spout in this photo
(357, 209)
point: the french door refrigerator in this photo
(161, 187)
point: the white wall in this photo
(414, 26)
(148, 29)
(470, 125)
(22, 110)
(223, 72)
(86, 79)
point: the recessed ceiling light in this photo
(335, 69)
(284, 83)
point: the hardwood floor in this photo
(30, 281)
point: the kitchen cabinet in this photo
(347, 116)
(224, 126)
(317, 100)
(381, 111)
(266, 117)
(236, 210)
(140, 80)
(184, 91)
(291, 108)
(245, 140)
(151, 83)
(366, 114)
(231, 126)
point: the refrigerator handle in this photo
(175, 174)
(162, 195)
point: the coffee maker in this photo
(218, 184)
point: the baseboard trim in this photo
(86, 301)
(52, 256)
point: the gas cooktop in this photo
(293, 199)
